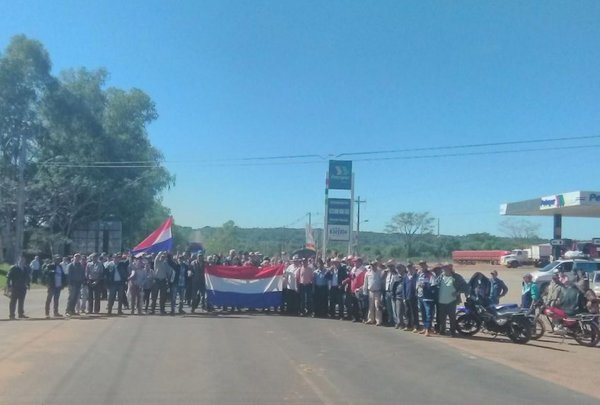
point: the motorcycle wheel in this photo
(587, 334)
(538, 329)
(467, 325)
(519, 331)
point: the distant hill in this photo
(271, 241)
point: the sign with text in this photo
(339, 219)
(340, 175)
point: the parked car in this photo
(595, 283)
(543, 276)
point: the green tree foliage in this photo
(80, 124)
(411, 226)
(25, 83)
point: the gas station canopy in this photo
(573, 204)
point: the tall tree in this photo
(410, 226)
(25, 82)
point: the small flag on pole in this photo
(310, 240)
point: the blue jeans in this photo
(426, 312)
(390, 308)
(175, 291)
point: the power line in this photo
(370, 159)
(232, 161)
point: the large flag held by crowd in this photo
(158, 241)
(245, 286)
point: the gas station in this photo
(582, 204)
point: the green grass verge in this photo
(3, 270)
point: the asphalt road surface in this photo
(246, 359)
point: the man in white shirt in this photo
(373, 286)
(36, 267)
(290, 287)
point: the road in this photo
(249, 359)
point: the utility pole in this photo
(358, 203)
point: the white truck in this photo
(535, 255)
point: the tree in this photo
(25, 82)
(521, 229)
(410, 226)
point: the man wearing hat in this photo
(391, 280)
(372, 287)
(291, 299)
(56, 280)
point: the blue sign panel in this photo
(340, 175)
(338, 219)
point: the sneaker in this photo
(12, 317)
(23, 316)
(57, 315)
(406, 329)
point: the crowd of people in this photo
(418, 298)
(139, 284)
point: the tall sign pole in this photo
(325, 222)
(339, 211)
(350, 239)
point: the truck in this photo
(478, 256)
(536, 255)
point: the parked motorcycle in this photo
(515, 325)
(582, 327)
(537, 325)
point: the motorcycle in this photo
(582, 327)
(515, 325)
(537, 325)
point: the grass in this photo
(4, 267)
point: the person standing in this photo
(148, 282)
(498, 288)
(450, 286)
(409, 284)
(162, 275)
(391, 279)
(398, 307)
(305, 282)
(116, 273)
(198, 282)
(372, 287)
(135, 285)
(36, 267)
(56, 280)
(529, 292)
(336, 275)
(95, 278)
(290, 286)
(356, 281)
(17, 281)
(321, 289)
(426, 293)
(76, 278)
(177, 284)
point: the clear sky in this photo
(239, 79)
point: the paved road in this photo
(247, 359)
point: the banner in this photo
(310, 239)
(244, 286)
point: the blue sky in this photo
(238, 79)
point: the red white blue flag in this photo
(158, 241)
(244, 286)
